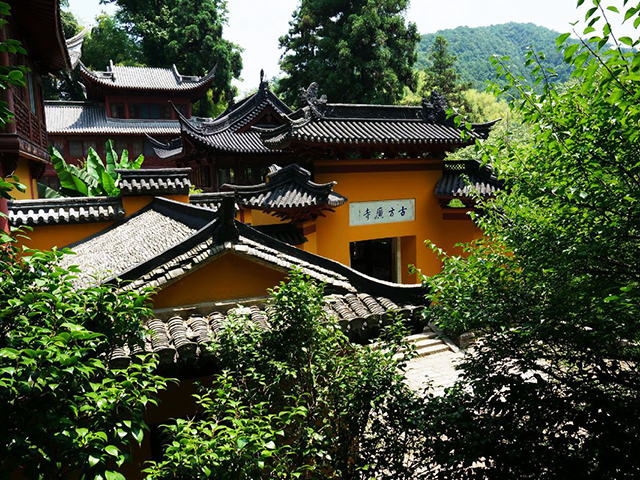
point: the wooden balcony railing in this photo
(29, 125)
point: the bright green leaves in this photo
(553, 286)
(65, 409)
(296, 400)
(360, 52)
(92, 179)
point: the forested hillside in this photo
(475, 46)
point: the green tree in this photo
(360, 51)
(441, 74)
(552, 390)
(297, 400)
(474, 47)
(485, 107)
(65, 85)
(187, 33)
(109, 40)
(64, 409)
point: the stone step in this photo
(428, 333)
(428, 350)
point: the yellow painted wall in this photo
(227, 277)
(371, 180)
(132, 204)
(47, 237)
(23, 171)
(262, 218)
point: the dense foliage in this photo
(297, 400)
(441, 74)
(553, 389)
(64, 409)
(360, 51)
(108, 41)
(474, 48)
(93, 178)
(187, 33)
(65, 85)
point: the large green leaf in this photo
(70, 184)
(109, 185)
(46, 192)
(124, 159)
(138, 163)
(112, 158)
(94, 166)
(83, 180)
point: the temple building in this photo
(347, 194)
(126, 105)
(23, 141)
(205, 266)
(228, 149)
(384, 161)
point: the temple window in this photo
(121, 145)
(150, 110)
(32, 94)
(117, 110)
(226, 175)
(75, 148)
(183, 109)
(136, 148)
(148, 149)
(87, 146)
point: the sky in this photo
(256, 25)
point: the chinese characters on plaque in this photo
(383, 211)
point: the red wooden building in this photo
(124, 104)
(23, 142)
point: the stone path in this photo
(435, 363)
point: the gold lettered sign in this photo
(382, 211)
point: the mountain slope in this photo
(474, 48)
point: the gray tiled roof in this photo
(154, 181)
(86, 117)
(321, 123)
(74, 46)
(167, 240)
(289, 192)
(146, 78)
(183, 337)
(350, 131)
(211, 200)
(228, 133)
(463, 179)
(60, 211)
(208, 249)
(113, 251)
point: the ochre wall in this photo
(23, 171)
(262, 218)
(371, 180)
(133, 203)
(227, 277)
(47, 237)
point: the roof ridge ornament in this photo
(176, 73)
(263, 82)
(434, 109)
(316, 104)
(225, 228)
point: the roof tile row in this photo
(61, 211)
